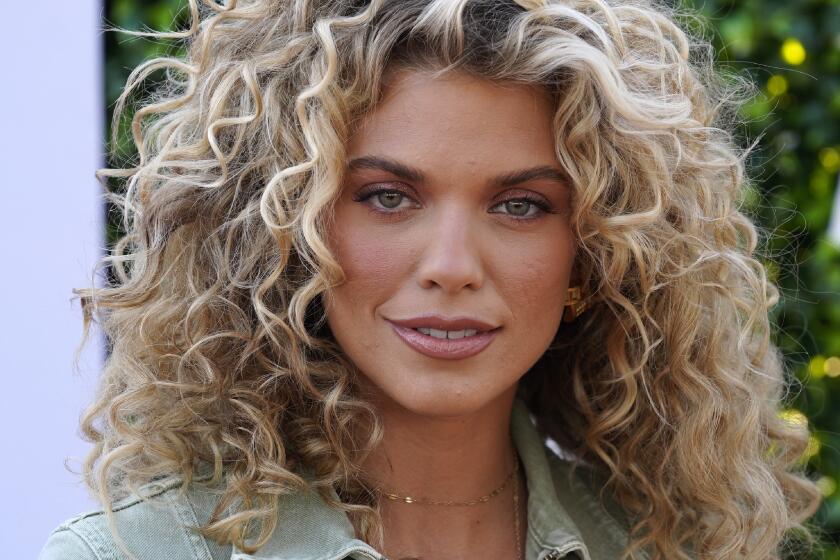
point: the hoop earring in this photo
(575, 303)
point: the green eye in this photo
(521, 208)
(390, 199)
(518, 207)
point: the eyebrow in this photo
(413, 174)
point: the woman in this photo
(378, 252)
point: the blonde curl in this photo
(220, 358)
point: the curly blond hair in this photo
(220, 356)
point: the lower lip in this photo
(448, 349)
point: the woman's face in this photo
(435, 219)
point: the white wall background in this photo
(834, 223)
(50, 235)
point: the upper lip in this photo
(438, 322)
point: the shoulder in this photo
(159, 525)
(582, 485)
(603, 522)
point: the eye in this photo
(524, 207)
(389, 200)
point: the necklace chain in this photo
(476, 501)
(513, 473)
(486, 498)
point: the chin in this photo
(444, 400)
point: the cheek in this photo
(365, 259)
(534, 279)
(373, 263)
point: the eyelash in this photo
(537, 202)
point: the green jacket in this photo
(565, 520)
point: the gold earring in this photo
(576, 304)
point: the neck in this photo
(453, 458)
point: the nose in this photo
(451, 259)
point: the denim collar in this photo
(316, 531)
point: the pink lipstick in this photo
(445, 348)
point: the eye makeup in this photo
(368, 196)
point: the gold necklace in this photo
(482, 499)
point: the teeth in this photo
(437, 334)
(452, 335)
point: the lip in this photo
(447, 349)
(443, 323)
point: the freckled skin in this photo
(451, 256)
(455, 248)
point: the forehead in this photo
(420, 115)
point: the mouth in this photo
(451, 335)
(443, 344)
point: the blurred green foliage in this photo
(791, 51)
